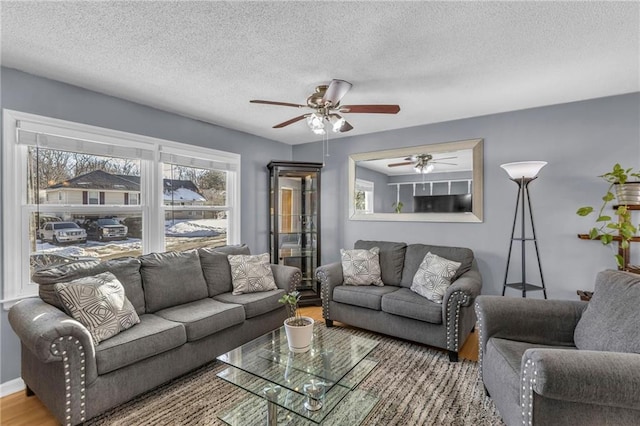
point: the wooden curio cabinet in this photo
(294, 221)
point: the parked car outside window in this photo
(105, 229)
(63, 232)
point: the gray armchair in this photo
(556, 362)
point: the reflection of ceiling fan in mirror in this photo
(325, 103)
(423, 163)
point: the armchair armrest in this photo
(49, 333)
(330, 276)
(549, 322)
(286, 277)
(589, 377)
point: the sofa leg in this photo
(453, 356)
(28, 391)
(328, 323)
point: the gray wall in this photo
(28, 93)
(580, 141)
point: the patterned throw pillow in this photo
(98, 302)
(361, 267)
(251, 274)
(434, 277)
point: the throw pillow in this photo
(361, 267)
(98, 302)
(434, 277)
(251, 274)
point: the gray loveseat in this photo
(564, 362)
(188, 316)
(396, 310)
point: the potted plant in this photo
(617, 226)
(299, 329)
(398, 206)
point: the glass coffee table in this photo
(310, 388)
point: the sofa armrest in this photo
(330, 276)
(469, 283)
(550, 322)
(286, 277)
(50, 334)
(589, 377)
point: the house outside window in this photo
(115, 186)
(364, 196)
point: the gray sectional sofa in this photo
(188, 316)
(394, 309)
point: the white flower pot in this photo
(299, 337)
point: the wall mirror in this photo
(435, 183)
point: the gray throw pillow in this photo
(172, 278)
(251, 274)
(99, 303)
(361, 267)
(434, 277)
(391, 259)
(216, 268)
(609, 323)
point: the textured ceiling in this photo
(438, 60)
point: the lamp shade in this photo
(523, 169)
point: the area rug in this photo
(415, 384)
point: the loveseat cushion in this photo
(216, 269)
(406, 303)
(391, 258)
(126, 270)
(172, 278)
(254, 304)
(204, 317)
(153, 335)
(609, 322)
(416, 253)
(364, 296)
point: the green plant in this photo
(398, 206)
(618, 226)
(290, 300)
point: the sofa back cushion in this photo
(610, 321)
(415, 255)
(391, 259)
(126, 270)
(216, 268)
(171, 279)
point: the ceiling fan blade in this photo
(371, 109)
(336, 90)
(445, 158)
(293, 120)
(257, 101)
(440, 162)
(406, 163)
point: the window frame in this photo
(17, 284)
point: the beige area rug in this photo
(415, 384)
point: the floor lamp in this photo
(522, 173)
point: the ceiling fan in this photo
(422, 163)
(325, 103)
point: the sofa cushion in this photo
(361, 267)
(391, 259)
(171, 279)
(406, 303)
(434, 277)
(153, 335)
(216, 268)
(417, 252)
(251, 274)
(609, 322)
(98, 302)
(126, 270)
(254, 304)
(204, 317)
(367, 297)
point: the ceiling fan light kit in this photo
(325, 102)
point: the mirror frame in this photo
(476, 215)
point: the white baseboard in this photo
(12, 386)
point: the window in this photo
(364, 196)
(116, 194)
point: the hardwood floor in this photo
(19, 410)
